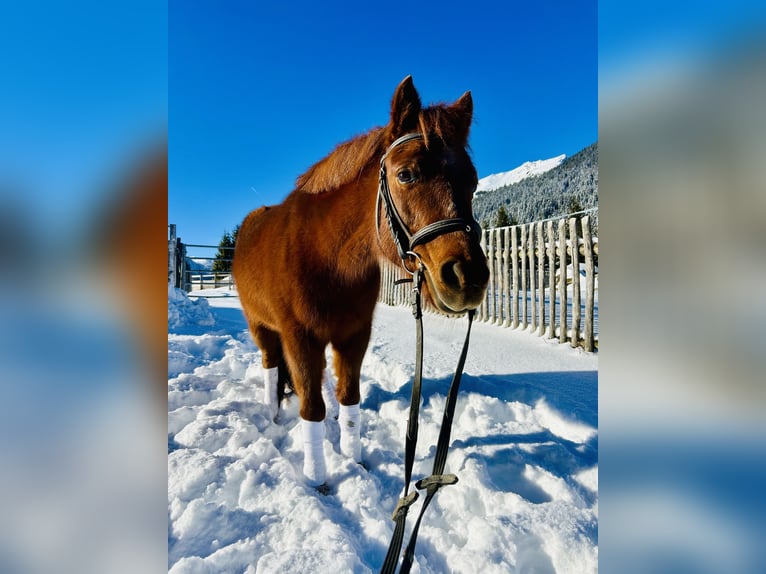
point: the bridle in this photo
(405, 243)
(404, 240)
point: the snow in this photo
(524, 445)
(527, 169)
(183, 311)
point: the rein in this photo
(405, 242)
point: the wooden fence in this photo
(543, 278)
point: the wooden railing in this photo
(543, 278)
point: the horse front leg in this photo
(305, 359)
(348, 357)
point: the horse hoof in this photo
(323, 489)
(314, 466)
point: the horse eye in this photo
(405, 176)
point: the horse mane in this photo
(345, 164)
(349, 159)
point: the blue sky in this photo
(84, 93)
(259, 91)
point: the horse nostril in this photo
(453, 274)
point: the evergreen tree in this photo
(222, 261)
(502, 219)
(574, 205)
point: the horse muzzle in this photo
(458, 284)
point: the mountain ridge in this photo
(526, 169)
(569, 187)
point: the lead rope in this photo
(403, 506)
(432, 483)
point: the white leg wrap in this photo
(270, 377)
(314, 467)
(328, 394)
(350, 443)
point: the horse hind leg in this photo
(328, 392)
(284, 381)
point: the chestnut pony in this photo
(307, 270)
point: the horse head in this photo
(427, 181)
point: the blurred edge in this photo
(130, 238)
(682, 431)
(83, 210)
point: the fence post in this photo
(589, 284)
(524, 307)
(183, 281)
(491, 288)
(404, 292)
(506, 275)
(562, 281)
(532, 282)
(541, 276)
(574, 237)
(551, 249)
(482, 314)
(386, 287)
(172, 265)
(385, 295)
(393, 290)
(500, 275)
(515, 267)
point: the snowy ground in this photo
(524, 445)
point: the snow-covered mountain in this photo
(198, 264)
(546, 188)
(527, 169)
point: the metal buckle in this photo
(420, 265)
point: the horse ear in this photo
(405, 107)
(464, 114)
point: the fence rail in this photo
(543, 277)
